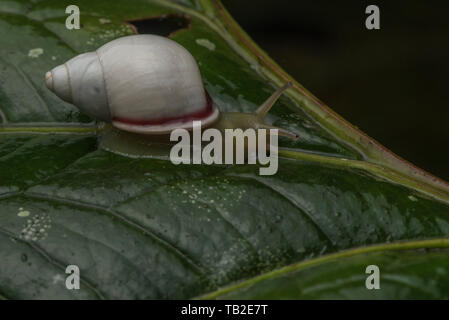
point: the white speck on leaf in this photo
(35, 53)
(206, 43)
(36, 227)
(104, 21)
(57, 278)
(412, 198)
(23, 213)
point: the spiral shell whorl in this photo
(80, 81)
(58, 81)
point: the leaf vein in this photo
(51, 260)
(196, 267)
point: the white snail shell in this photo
(141, 83)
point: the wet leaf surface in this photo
(145, 228)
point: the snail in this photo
(148, 85)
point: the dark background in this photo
(392, 83)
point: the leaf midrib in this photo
(375, 169)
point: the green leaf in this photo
(146, 229)
(410, 274)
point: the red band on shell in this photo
(197, 115)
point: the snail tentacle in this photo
(268, 104)
(281, 131)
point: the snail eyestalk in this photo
(265, 108)
(269, 103)
(281, 131)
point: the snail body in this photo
(148, 85)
